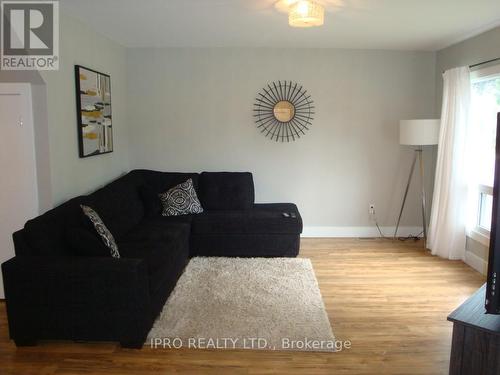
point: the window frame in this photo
(478, 233)
(486, 73)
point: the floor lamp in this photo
(417, 133)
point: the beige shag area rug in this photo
(245, 303)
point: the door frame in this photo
(25, 121)
(24, 90)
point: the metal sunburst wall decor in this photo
(283, 111)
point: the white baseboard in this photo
(358, 231)
(479, 264)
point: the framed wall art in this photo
(93, 106)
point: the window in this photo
(481, 140)
(484, 208)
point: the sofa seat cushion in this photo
(157, 230)
(154, 253)
(261, 219)
(162, 255)
(186, 219)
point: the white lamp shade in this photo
(419, 132)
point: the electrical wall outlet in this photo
(371, 209)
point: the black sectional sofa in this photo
(56, 289)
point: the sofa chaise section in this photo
(260, 231)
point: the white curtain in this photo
(447, 228)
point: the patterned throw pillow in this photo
(101, 229)
(180, 200)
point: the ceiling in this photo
(365, 24)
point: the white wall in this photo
(191, 110)
(70, 174)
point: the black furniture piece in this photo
(492, 298)
(60, 287)
(475, 346)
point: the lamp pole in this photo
(422, 186)
(418, 154)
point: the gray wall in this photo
(480, 48)
(483, 47)
(191, 109)
(70, 174)
(61, 173)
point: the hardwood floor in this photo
(390, 299)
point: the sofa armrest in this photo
(77, 297)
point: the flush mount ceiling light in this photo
(306, 13)
(303, 13)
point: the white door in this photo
(18, 187)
